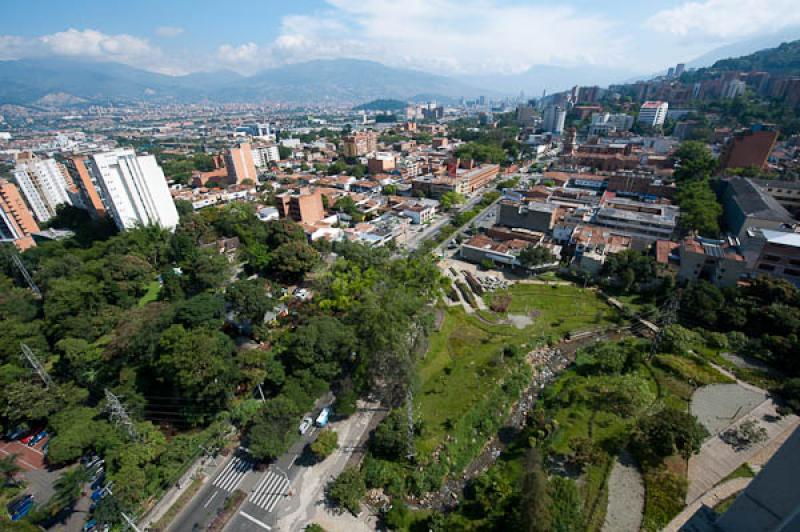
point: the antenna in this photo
(25, 274)
(28, 354)
(119, 415)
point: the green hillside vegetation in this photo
(381, 105)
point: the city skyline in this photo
(473, 37)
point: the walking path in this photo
(625, 496)
(711, 498)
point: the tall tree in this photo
(535, 501)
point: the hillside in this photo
(381, 105)
(72, 82)
(781, 60)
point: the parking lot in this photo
(28, 458)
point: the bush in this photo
(325, 444)
(665, 433)
(347, 490)
(665, 492)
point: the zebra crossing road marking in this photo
(232, 475)
(269, 491)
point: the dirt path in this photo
(625, 496)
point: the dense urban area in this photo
(573, 312)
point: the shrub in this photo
(325, 444)
(347, 490)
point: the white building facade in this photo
(44, 183)
(653, 114)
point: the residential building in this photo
(526, 115)
(653, 113)
(605, 123)
(44, 182)
(264, 155)
(749, 149)
(533, 216)
(787, 193)
(135, 189)
(88, 190)
(593, 244)
(553, 119)
(780, 255)
(381, 162)
(648, 221)
(16, 220)
(746, 205)
(716, 261)
(240, 164)
(360, 143)
(733, 88)
(419, 213)
(304, 207)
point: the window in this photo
(772, 258)
(766, 267)
(792, 272)
(794, 262)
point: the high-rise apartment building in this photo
(360, 143)
(88, 193)
(653, 113)
(750, 148)
(16, 220)
(305, 207)
(134, 188)
(240, 164)
(44, 182)
(263, 155)
(553, 119)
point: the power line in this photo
(119, 415)
(25, 274)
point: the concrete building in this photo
(733, 88)
(304, 207)
(746, 206)
(648, 221)
(779, 255)
(381, 162)
(360, 143)
(240, 164)
(526, 115)
(533, 216)
(88, 193)
(45, 184)
(16, 220)
(419, 213)
(553, 119)
(749, 149)
(264, 155)
(787, 193)
(135, 189)
(653, 113)
(716, 261)
(605, 123)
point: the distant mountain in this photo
(551, 79)
(51, 81)
(381, 105)
(744, 47)
(785, 59)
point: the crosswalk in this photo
(230, 477)
(269, 491)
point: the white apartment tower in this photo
(553, 120)
(653, 114)
(134, 189)
(44, 182)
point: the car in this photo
(305, 425)
(322, 418)
(16, 504)
(16, 433)
(32, 434)
(23, 510)
(99, 472)
(90, 525)
(98, 494)
(36, 439)
(98, 481)
(95, 463)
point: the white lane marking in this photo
(210, 499)
(256, 521)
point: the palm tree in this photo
(9, 468)
(68, 488)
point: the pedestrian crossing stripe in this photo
(269, 491)
(233, 473)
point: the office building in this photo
(680, 68)
(553, 120)
(16, 220)
(135, 189)
(652, 113)
(240, 164)
(526, 115)
(746, 205)
(45, 184)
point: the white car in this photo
(305, 425)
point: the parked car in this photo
(98, 481)
(16, 433)
(23, 510)
(36, 439)
(305, 425)
(17, 503)
(90, 525)
(32, 434)
(322, 418)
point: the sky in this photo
(451, 37)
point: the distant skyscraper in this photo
(16, 220)
(553, 119)
(135, 189)
(45, 184)
(680, 68)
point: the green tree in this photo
(291, 261)
(68, 488)
(347, 490)
(694, 162)
(274, 429)
(665, 433)
(451, 199)
(533, 256)
(535, 500)
(327, 441)
(249, 299)
(9, 468)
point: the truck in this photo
(322, 418)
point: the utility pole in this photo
(28, 354)
(119, 415)
(25, 274)
(410, 415)
(130, 522)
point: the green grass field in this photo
(152, 293)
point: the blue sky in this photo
(445, 36)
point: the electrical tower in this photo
(119, 415)
(410, 416)
(25, 274)
(668, 318)
(28, 354)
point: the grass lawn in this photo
(152, 293)
(463, 364)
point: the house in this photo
(716, 261)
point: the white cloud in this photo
(169, 31)
(726, 19)
(451, 36)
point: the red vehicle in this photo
(32, 434)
